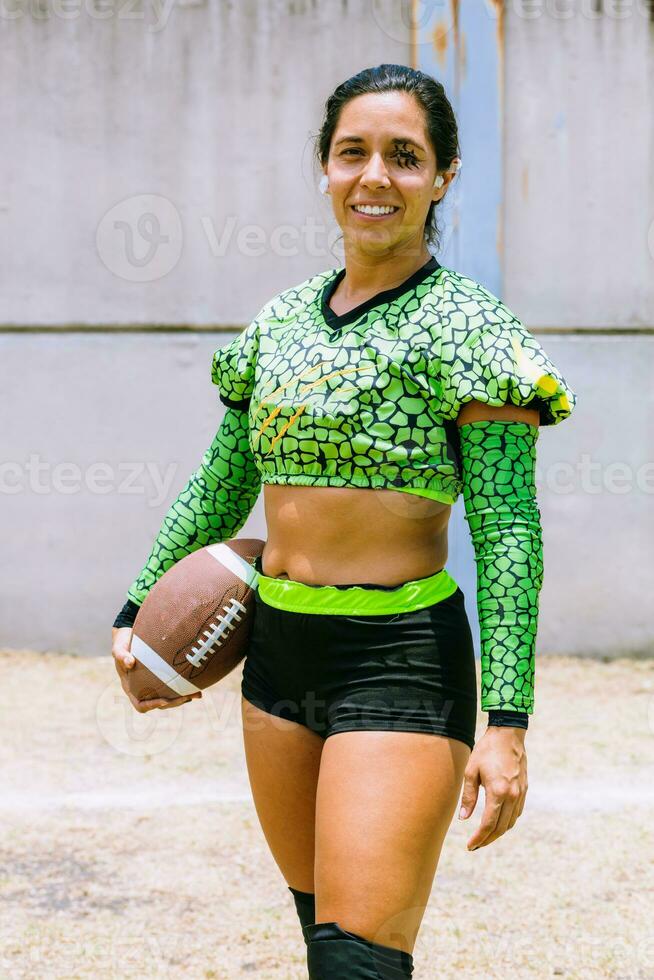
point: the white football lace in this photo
(216, 633)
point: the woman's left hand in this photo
(499, 763)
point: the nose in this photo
(374, 174)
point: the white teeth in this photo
(366, 209)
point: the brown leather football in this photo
(193, 626)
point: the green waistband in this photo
(355, 600)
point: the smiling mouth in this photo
(365, 214)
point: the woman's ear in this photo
(440, 192)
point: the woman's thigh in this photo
(384, 803)
(283, 762)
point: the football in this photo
(193, 626)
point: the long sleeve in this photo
(498, 464)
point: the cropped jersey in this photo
(370, 398)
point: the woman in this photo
(364, 400)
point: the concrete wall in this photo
(595, 477)
(157, 171)
(159, 167)
(579, 163)
(103, 432)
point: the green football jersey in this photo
(370, 398)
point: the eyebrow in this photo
(396, 140)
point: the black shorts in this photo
(411, 671)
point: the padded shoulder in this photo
(232, 368)
(488, 355)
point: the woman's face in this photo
(380, 154)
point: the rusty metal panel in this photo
(460, 42)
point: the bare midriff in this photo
(350, 535)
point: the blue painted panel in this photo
(458, 43)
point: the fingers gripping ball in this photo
(194, 624)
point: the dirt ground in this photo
(130, 847)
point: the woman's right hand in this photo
(124, 661)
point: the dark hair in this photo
(430, 94)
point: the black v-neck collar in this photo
(386, 296)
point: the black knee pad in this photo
(334, 954)
(305, 903)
